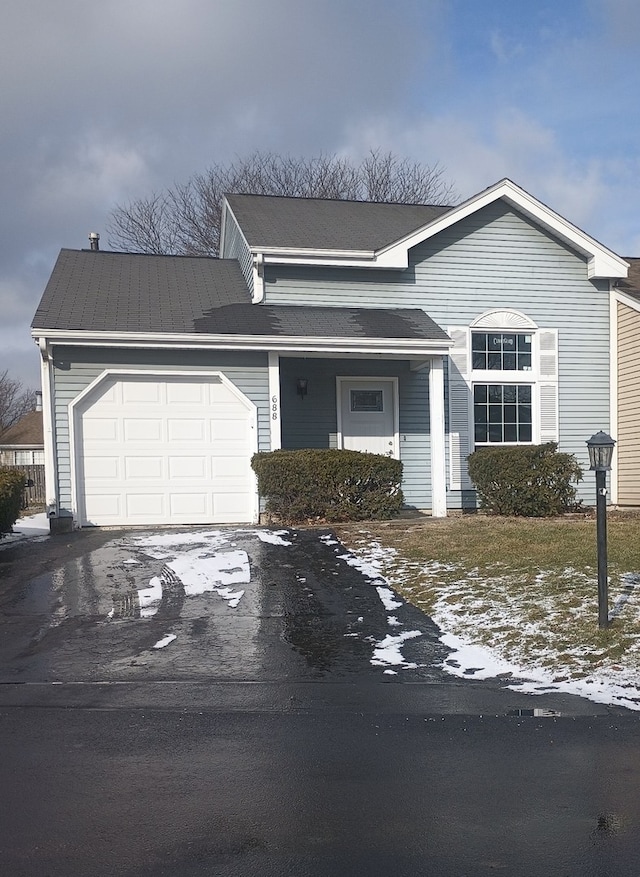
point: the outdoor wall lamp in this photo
(301, 387)
(600, 448)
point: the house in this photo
(625, 319)
(23, 443)
(416, 331)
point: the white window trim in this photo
(541, 380)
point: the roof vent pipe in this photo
(94, 240)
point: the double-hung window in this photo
(502, 405)
(502, 386)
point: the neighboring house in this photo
(416, 331)
(23, 443)
(626, 383)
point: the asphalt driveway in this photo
(244, 701)
(216, 604)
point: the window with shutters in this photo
(503, 386)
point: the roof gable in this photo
(365, 234)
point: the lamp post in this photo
(600, 448)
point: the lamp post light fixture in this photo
(600, 448)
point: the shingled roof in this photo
(27, 432)
(631, 283)
(269, 221)
(134, 293)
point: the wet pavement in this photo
(250, 702)
(210, 607)
(216, 605)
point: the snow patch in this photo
(389, 599)
(34, 527)
(202, 574)
(389, 650)
(152, 594)
(169, 638)
(273, 537)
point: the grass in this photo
(524, 588)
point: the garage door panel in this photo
(184, 504)
(187, 467)
(141, 392)
(101, 429)
(191, 394)
(228, 505)
(162, 451)
(144, 467)
(105, 468)
(186, 430)
(144, 504)
(142, 430)
(230, 430)
(103, 505)
(228, 467)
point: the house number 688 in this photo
(274, 407)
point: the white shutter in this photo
(459, 409)
(548, 385)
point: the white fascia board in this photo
(284, 344)
(625, 299)
(335, 258)
(602, 262)
(227, 207)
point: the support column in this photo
(274, 401)
(436, 421)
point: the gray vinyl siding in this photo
(234, 246)
(312, 421)
(494, 259)
(76, 367)
(628, 446)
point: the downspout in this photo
(50, 456)
(258, 279)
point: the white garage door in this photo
(170, 450)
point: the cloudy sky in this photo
(104, 102)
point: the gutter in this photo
(287, 344)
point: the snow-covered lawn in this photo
(33, 527)
(539, 635)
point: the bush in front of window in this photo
(527, 480)
(12, 483)
(328, 485)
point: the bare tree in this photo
(185, 218)
(15, 401)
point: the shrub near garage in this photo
(525, 480)
(332, 485)
(12, 483)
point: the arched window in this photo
(503, 386)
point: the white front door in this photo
(367, 415)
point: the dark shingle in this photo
(124, 292)
(631, 283)
(27, 431)
(315, 223)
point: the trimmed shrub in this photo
(531, 481)
(12, 483)
(332, 485)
